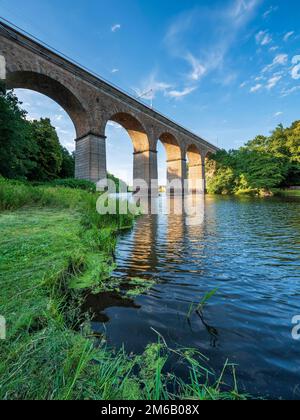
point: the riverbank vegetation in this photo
(54, 249)
(262, 166)
(31, 151)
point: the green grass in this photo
(290, 193)
(53, 245)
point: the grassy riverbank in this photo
(53, 246)
(290, 193)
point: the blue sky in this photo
(226, 69)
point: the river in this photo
(247, 248)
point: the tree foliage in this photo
(48, 161)
(263, 164)
(30, 149)
(17, 149)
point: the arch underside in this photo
(54, 90)
(135, 130)
(171, 146)
(194, 156)
(176, 166)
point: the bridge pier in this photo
(145, 173)
(196, 179)
(90, 158)
(176, 174)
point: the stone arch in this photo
(171, 146)
(135, 129)
(145, 159)
(176, 164)
(194, 155)
(55, 90)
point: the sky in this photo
(226, 69)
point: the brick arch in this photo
(135, 129)
(54, 89)
(194, 155)
(171, 145)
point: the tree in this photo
(293, 142)
(259, 170)
(68, 164)
(220, 175)
(222, 182)
(18, 152)
(263, 164)
(50, 156)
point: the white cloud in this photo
(270, 11)
(275, 48)
(280, 59)
(296, 69)
(263, 38)
(273, 82)
(288, 36)
(226, 25)
(242, 85)
(115, 71)
(114, 125)
(62, 131)
(116, 27)
(198, 69)
(58, 117)
(177, 94)
(256, 88)
(150, 87)
(278, 114)
(287, 92)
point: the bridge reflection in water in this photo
(247, 249)
(171, 222)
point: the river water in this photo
(248, 249)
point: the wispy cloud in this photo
(263, 38)
(113, 71)
(177, 94)
(290, 91)
(296, 69)
(273, 82)
(198, 70)
(271, 10)
(256, 88)
(116, 27)
(279, 60)
(151, 86)
(218, 41)
(288, 36)
(278, 114)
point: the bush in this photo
(76, 184)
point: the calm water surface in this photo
(249, 250)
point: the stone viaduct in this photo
(91, 103)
